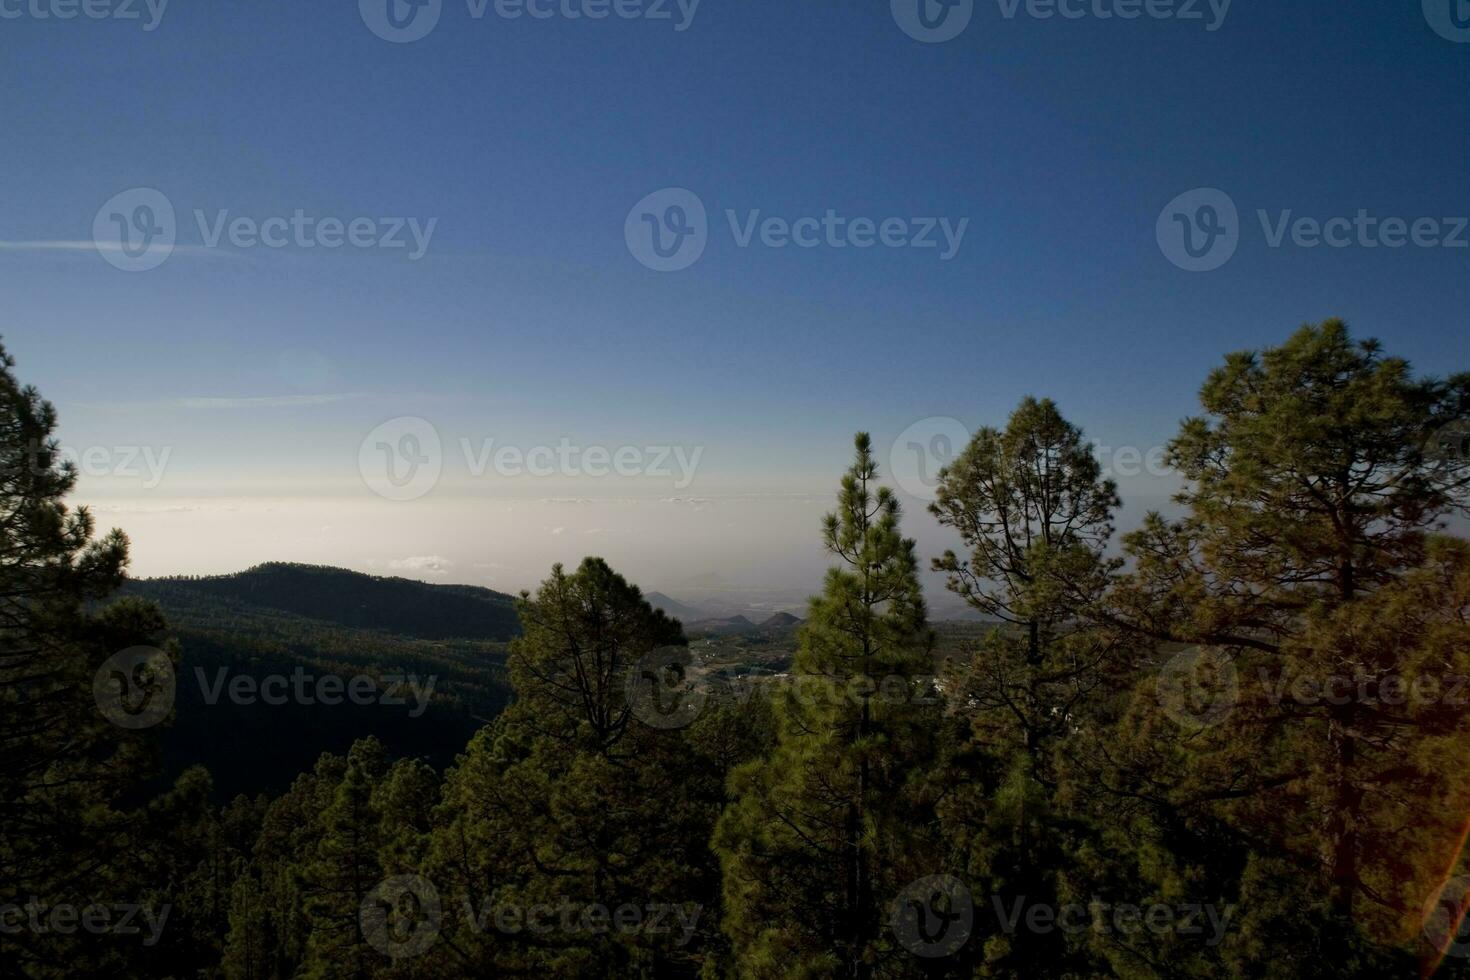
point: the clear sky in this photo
(521, 147)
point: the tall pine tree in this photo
(1310, 567)
(828, 829)
(64, 764)
(1034, 512)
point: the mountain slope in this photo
(681, 611)
(352, 599)
(281, 621)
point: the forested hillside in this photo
(1231, 743)
(335, 595)
(238, 626)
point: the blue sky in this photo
(527, 142)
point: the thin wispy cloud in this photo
(266, 401)
(63, 245)
(227, 402)
(422, 564)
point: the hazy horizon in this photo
(897, 236)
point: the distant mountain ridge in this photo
(780, 623)
(681, 611)
(353, 599)
(710, 615)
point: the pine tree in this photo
(247, 952)
(345, 869)
(269, 927)
(64, 764)
(1309, 560)
(582, 634)
(1034, 512)
(827, 830)
(569, 800)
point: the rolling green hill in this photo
(336, 595)
(440, 650)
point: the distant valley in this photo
(290, 621)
